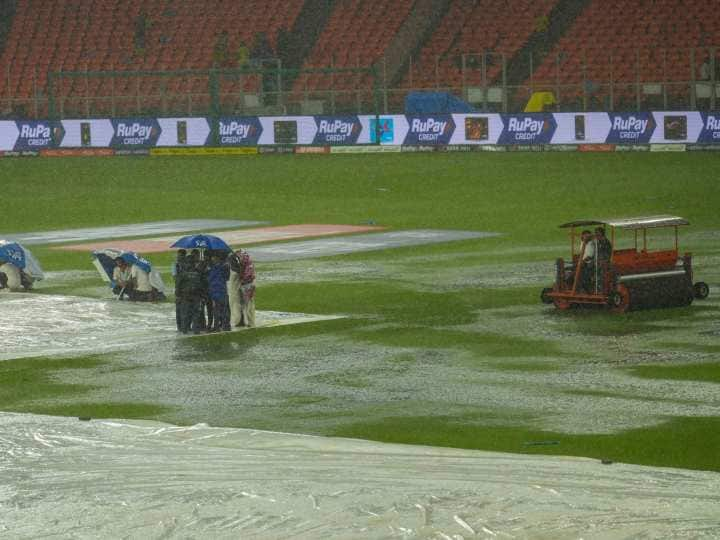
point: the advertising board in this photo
(594, 131)
(525, 129)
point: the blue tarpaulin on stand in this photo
(435, 103)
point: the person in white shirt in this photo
(140, 279)
(121, 277)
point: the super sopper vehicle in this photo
(634, 277)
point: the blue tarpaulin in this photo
(435, 103)
(20, 256)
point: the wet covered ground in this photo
(109, 479)
(563, 372)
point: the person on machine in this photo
(588, 278)
(604, 253)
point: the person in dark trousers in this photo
(189, 289)
(206, 308)
(177, 268)
(218, 275)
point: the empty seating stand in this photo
(471, 28)
(643, 42)
(626, 43)
(95, 35)
(356, 36)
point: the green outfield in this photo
(444, 345)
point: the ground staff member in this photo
(589, 262)
(141, 290)
(189, 288)
(176, 268)
(218, 275)
(241, 289)
(10, 277)
(121, 278)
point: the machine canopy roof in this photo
(647, 222)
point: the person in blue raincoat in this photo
(218, 275)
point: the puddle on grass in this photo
(414, 273)
(317, 383)
(43, 325)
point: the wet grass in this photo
(422, 298)
(391, 301)
(302, 399)
(145, 411)
(25, 381)
(31, 386)
(709, 372)
(511, 193)
(525, 366)
(680, 442)
(692, 347)
(630, 397)
(481, 344)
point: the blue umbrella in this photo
(131, 258)
(20, 256)
(202, 241)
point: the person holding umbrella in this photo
(122, 279)
(132, 279)
(129, 275)
(209, 245)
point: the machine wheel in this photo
(701, 290)
(544, 296)
(561, 304)
(619, 299)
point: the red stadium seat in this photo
(98, 34)
(617, 29)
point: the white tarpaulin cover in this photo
(65, 478)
